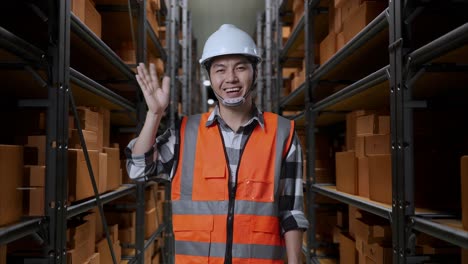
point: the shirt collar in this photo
(257, 116)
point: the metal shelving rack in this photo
(64, 35)
(390, 81)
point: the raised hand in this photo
(156, 97)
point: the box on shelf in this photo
(327, 47)
(11, 178)
(464, 190)
(351, 127)
(373, 230)
(384, 125)
(360, 146)
(346, 172)
(33, 201)
(79, 181)
(90, 138)
(102, 247)
(380, 178)
(377, 145)
(357, 18)
(348, 252)
(86, 11)
(340, 41)
(38, 142)
(88, 119)
(114, 177)
(367, 125)
(103, 175)
(34, 176)
(363, 176)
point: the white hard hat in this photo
(229, 39)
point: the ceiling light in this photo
(206, 82)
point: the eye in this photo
(219, 71)
(240, 68)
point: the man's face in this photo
(231, 75)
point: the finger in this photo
(141, 83)
(153, 75)
(166, 84)
(145, 74)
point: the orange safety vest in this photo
(208, 219)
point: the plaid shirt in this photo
(163, 164)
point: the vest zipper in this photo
(232, 199)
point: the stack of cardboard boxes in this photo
(105, 160)
(365, 167)
(346, 19)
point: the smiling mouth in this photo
(232, 90)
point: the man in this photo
(236, 172)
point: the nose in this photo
(231, 76)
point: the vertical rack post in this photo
(185, 62)
(140, 190)
(310, 129)
(278, 47)
(268, 51)
(260, 75)
(57, 128)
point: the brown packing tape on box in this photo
(11, 178)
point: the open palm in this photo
(156, 97)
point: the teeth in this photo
(230, 90)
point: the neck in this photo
(236, 116)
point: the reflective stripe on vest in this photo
(200, 193)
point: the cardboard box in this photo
(373, 230)
(127, 235)
(360, 147)
(340, 41)
(348, 252)
(94, 259)
(78, 8)
(363, 176)
(38, 142)
(114, 178)
(378, 253)
(377, 145)
(151, 222)
(338, 21)
(3, 254)
(357, 18)
(92, 18)
(351, 127)
(103, 166)
(11, 178)
(91, 238)
(156, 258)
(102, 247)
(348, 7)
(90, 138)
(34, 176)
(380, 178)
(79, 181)
(384, 125)
(464, 256)
(327, 47)
(346, 172)
(88, 119)
(35, 198)
(464, 190)
(367, 125)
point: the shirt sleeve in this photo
(291, 199)
(154, 165)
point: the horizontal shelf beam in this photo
(16, 231)
(374, 27)
(94, 87)
(355, 88)
(294, 35)
(448, 42)
(353, 200)
(452, 235)
(19, 47)
(84, 32)
(105, 198)
(296, 93)
(156, 42)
